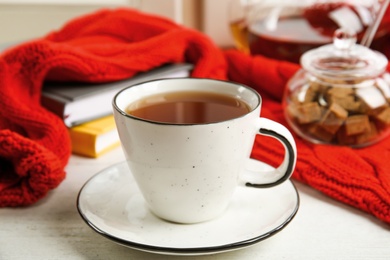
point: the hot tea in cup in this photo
(187, 142)
(188, 107)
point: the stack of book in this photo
(87, 108)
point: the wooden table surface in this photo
(53, 229)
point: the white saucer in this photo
(111, 204)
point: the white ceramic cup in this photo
(188, 173)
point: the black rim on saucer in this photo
(191, 250)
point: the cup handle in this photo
(254, 177)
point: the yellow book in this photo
(95, 137)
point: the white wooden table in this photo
(53, 229)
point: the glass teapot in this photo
(284, 30)
(341, 95)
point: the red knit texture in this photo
(98, 47)
(112, 45)
(357, 177)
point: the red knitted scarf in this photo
(116, 44)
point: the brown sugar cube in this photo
(311, 94)
(334, 118)
(347, 102)
(308, 93)
(314, 90)
(338, 111)
(344, 139)
(357, 124)
(384, 116)
(307, 112)
(363, 107)
(367, 136)
(316, 86)
(321, 134)
(374, 112)
(340, 92)
(359, 139)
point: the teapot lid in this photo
(344, 59)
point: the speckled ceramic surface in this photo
(112, 205)
(188, 173)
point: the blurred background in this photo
(277, 29)
(26, 19)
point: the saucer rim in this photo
(186, 250)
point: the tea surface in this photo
(188, 107)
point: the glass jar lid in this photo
(344, 59)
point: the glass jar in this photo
(341, 95)
(284, 30)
